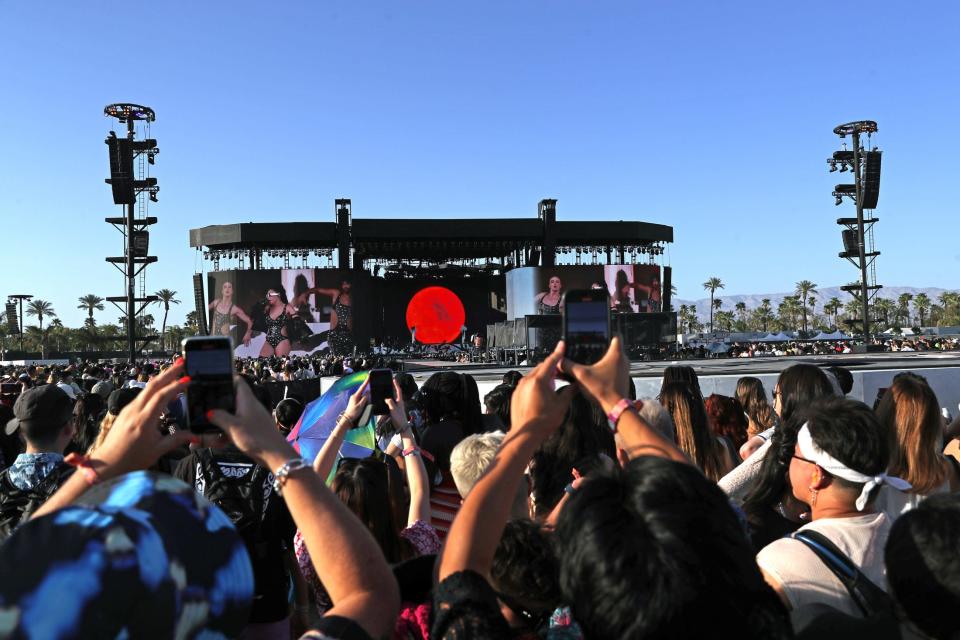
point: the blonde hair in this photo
(910, 412)
(753, 399)
(471, 457)
(105, 425)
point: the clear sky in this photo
(713, 117)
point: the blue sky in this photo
(713, 117)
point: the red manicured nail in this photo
(184, 380)
(178, 362)
(196, 440)
(210, 415)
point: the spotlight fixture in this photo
(838, 201)
(833, 166)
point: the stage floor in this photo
(725, 366)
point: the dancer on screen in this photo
(341, 316)
(620, 301)
(276, 311)
(224, 312)
(548, 302)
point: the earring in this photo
(813, 497)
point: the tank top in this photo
(344, 314)
(221, 320)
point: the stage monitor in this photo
(291, 311)
(538, 290)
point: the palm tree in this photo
(57, 330)
(804, 289)
(712, 285)
(922, 304)
(90, 303)
(40, 309)
(166, 298)
(903, 308)
(885, 307)
(832, 308)
(725, 320)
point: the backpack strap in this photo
(868, 597)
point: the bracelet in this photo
(84, 465)
(412, 451)
(570, 489)
(343, 414)
(288, 467)
(614, 416)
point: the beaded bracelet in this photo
(288, 467)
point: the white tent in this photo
(836, 335)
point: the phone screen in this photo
(209, 363)
(381, 388)
(10, 388)
(586, 325)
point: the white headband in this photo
(813, 453)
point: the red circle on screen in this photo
(437, 314)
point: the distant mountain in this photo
(823, 295)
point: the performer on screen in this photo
(621, 297)
(276, 311)
(224, 311)
(340, 337)
(548, 302)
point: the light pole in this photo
(21, 297)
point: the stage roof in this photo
(393, 237)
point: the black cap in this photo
(44, 404)
(120, 398)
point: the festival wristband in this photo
(84, 465)
(411, 451)
(614, 416)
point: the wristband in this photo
(614, 416)
(281, 475)
(570, 489)
(411, 452)
(83, 464)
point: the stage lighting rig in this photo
(859, 246)
(133, 188)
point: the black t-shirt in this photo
(275, 539)
(766, 525)
(465, 606)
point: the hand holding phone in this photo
(381, 388)
(586, 324)
(208, 361)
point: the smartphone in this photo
(381, 388)
(586, 324)
(209, 363)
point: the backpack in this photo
(16, 504)
(243, 498)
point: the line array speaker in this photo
(201, 305)
(871, 179)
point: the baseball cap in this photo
(142, 555)
(67, 389)
(120, 398)
(103, 389)
(44, 404)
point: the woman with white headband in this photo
(840, 458)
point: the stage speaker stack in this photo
(850, 244)
(871, 179)
(121, 169)
(666, 294)
(12, 325)
(201, 305)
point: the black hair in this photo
(408, 386)
(512, 378)
(288, 412)
(498, 403)
(850, 432)
(577, 444)
(364, 486)
(655, 550)
(844, 378)
(923, 567)
(525, 572)
(682, 373)
(799, 386)
(88, 411)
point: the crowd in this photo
(557, 506)
(811, 348)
